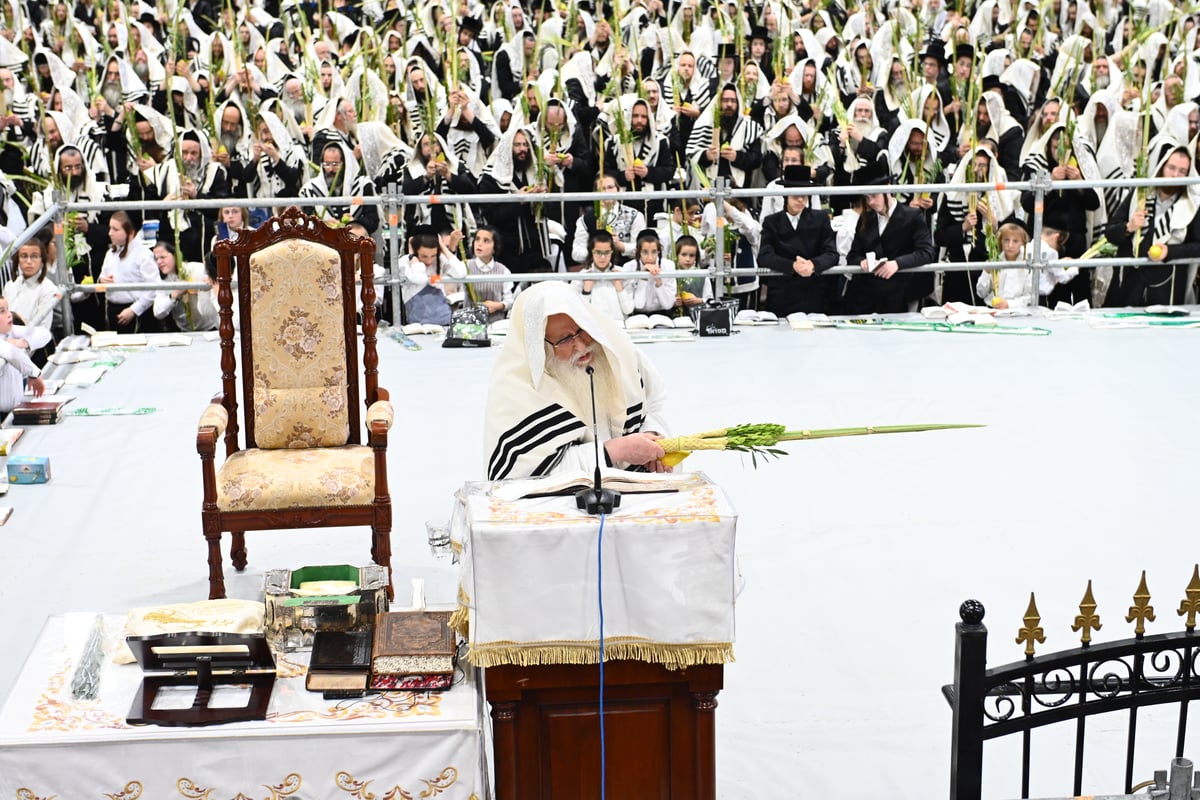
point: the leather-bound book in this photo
(340, 663)
(413, 643)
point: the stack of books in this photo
(46, 411)
(407, 651)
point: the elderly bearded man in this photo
(539, 407)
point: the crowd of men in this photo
(196, 100)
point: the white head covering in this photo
(521, 387)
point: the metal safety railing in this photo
(392, 204)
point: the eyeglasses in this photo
(29, 256)
(568, 340)
(602, 252)
(331, 163)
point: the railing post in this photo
(721, 191)
(392, 211)
(970, 663)
(1037, 259)
(60, 256)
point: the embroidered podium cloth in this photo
(530, 581)
(391, 744)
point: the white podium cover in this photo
(398, 744)
(530, 578)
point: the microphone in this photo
(596, 500)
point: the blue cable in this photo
(600, 600)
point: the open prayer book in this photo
(570, 483)
(114, 339)
(418, 328)
(750, 317)
(647, 321)
(800, 321)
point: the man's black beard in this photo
(521, 163)
(419, 96)
(981, 129)
(72, 182)
(638, 131)
(728, 121)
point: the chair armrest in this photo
(380, 411)
(211, 426)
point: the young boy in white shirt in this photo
(16, 342)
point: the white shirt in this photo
(604, 296)
(33, 300)
(647, 296)
(417, 275)
(136, 267)
(16, 363)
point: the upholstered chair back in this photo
(299, 344)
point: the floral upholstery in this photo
(214, 416)
(252, 480)
(299, 345)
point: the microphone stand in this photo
(596, 500)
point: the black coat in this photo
(906, 240)
(812, 238)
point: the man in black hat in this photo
(934, 68)
(759, 51)
(799, 243)
(890, 238)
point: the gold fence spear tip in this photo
(1032, 631)
(1141, 610)
(1087, 620)
(1190, 605)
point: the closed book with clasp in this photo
(413, 643)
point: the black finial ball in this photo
(971, 612)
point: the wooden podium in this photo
(660, 731)
(534, 574)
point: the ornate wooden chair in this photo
(302, 463)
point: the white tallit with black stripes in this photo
(533, 426)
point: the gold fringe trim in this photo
(460, 620)
(671, 656)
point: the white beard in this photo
(1100, 82)
(610, 405)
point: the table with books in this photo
(387, 744)
(533, 572)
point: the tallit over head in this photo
(531, 416)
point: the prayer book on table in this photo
(340, 664)
(648, 321)
(800, 321)
(418, 328)
(44, 411)
(413, 643)
(114, 339)
(750, 317)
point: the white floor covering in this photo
(855, 553)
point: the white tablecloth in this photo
(530, 578)
(54, 746)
